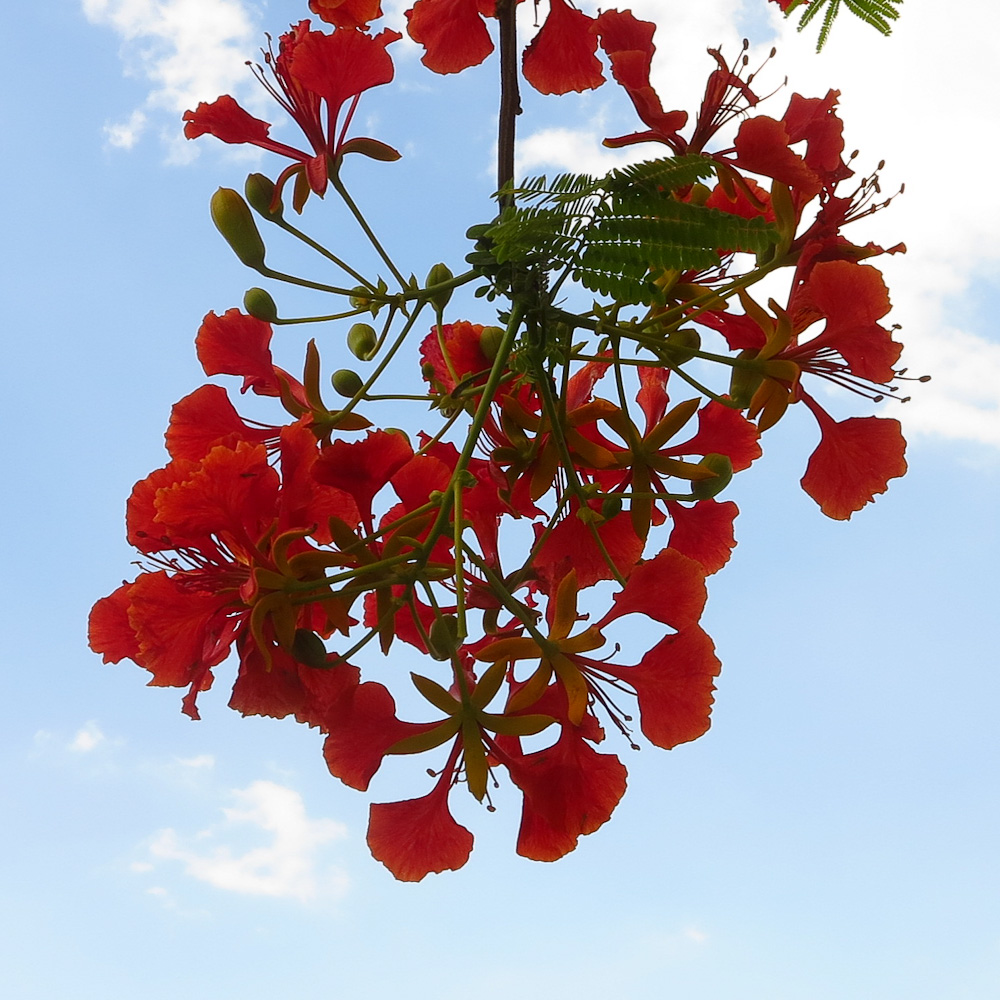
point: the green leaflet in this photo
(610, 232)
(878, 13)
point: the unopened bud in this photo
(722, 466)
(443, 637)
(435, 276)
(308, 648)
(258, 303)
(232, 217)
(490, 340)
(346, 382)
(360, 298)
(259, 191)
(361, 341)
(744, 382)
(611, 506)
(681, 345)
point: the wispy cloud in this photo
(289, 866)
(184, 51)
(87, 738)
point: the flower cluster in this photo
(569, 467)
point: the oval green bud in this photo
(232, 217)
(259, 191)
(743, 382)
(258, 303)
(443, 637)
(490, 340)
(308, 648)
(361, 341)
(611, 506)
(680, 345)
(435, 276)
(360, 298)
(722, 466)
(346, 382)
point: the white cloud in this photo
(286, 867)
(185, 51)
(203, 760)
(87, 738)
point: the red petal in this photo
(452, 33)
(205, 418)
(418, 836)
(704, 532)
(347, 13)
(561, 58)
(237, 344)
(110, 632)
(669, 588)
(227, 121)
(855, 459)
(363, 467)
(569, 791)
(342, 65)
(674, 686)
(762, 147)
(722, 431)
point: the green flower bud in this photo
(259, 304)
(435, 276)
(259, 191)
(361, 341)
(232, 218)
(308, 648)
(722, 466)
(346, 382)
(360, 298)
(680, 345)
(611, 506)
(443, 637)
(743, 383)
(490, 340)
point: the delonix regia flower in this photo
(533, 547)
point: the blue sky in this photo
(834, 835)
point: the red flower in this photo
(311, 67)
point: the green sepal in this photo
(516, 725)
(436, 694)
(422, 742)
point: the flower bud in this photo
(680, 344)
(722, 466)
(435, 276)
(443, 637)
(744, 382)
(258, 303)
(232, 218)
(490, 340)
(259, 191)
(346, 382)
(308, 648)
(611, 506)
(361, 341)
(360, 298)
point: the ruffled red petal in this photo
(762, 147)
(452, 33)
(674, 685)
(418, 836)
(226, 120)
(855, 459)
(668, 588)
(569, 789)
(561, 57)
(347, 13)
(704, 532)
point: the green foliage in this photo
(878, 13)
(611, 232)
